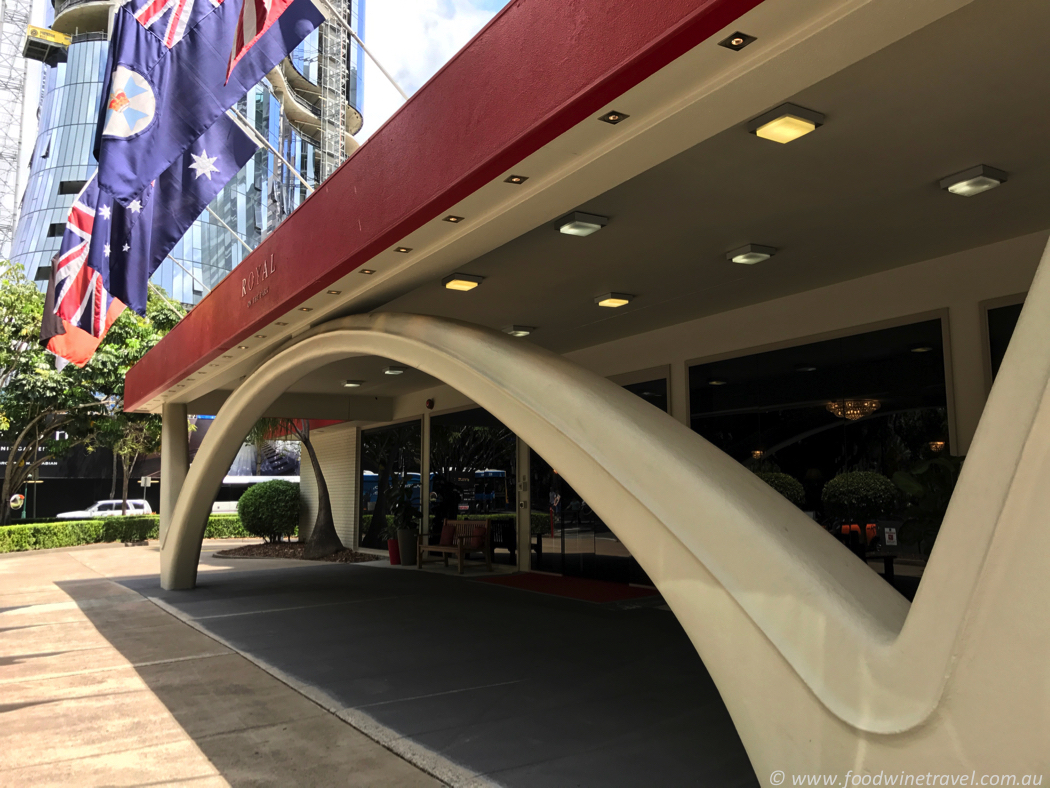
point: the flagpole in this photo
(262, 140)
(164, 298)
(229, 229)
(350, 30)
(190, 274)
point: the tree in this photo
(323, 539)
(44, 411)
(130, 436)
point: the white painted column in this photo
(174, 461)
(678, 391)
(524, 510)
(968, 391)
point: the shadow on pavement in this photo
(523, 688)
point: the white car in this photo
(108, 509)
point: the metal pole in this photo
(190, 274)
(164, 298)
(229, 229)
(350, 30)
(250, 129)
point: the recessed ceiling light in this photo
(352, 384)
(613, 299)
(306, 309)
(260, 336)
(453, 219)
(403, 249)
(516, 179)
(393, 370)
(737, 41)
(368, 271)
(227, 356)
(921, 348)
(613, 117)
(518, 331)
(242, 347)
(751, 254)
(716, 382)
(582, 224)
(805, 368)
(462, 282)
(785, 123)
(278, 323)
(334, 292)
(974, 180)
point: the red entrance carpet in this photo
(572, 587)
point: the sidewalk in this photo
(99, 686)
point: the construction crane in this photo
(14, 20)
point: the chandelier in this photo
(853, 409)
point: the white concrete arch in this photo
(821, 664)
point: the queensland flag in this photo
(166, 81)
(109, 251)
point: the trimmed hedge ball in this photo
(786, 485)
(860, 494)
(270, 509)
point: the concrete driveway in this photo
(254, 676)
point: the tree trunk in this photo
(127, 473)
(323, 538)
(378, 523)
(113, 484)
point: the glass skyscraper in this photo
(252, 203)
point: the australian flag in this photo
(110, 250)
(166, 80)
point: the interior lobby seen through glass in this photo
(472, 475)
(389, 481)
(872, 402)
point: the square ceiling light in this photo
(582, 224)
(614, 300)
(518, 331)
(786, 123)
(394, 370)
(751, 254)
(974, 180)
(353, 384)
(462, 282)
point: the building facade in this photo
(284, 108)
(648, 287)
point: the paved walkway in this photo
(98, 686)
(474, 682)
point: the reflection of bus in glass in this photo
(370, 487)
(490, 490)
(488, 493)
(482, 491)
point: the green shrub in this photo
(70, 533)
(225, 526)
(786, 485)
(270, 509)
(860, 495)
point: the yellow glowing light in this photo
(785, 129)
(612, 301)
(460, 284)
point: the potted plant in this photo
(403, 521)
(392, 547)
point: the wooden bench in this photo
(459, 538)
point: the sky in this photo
(413, 39)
